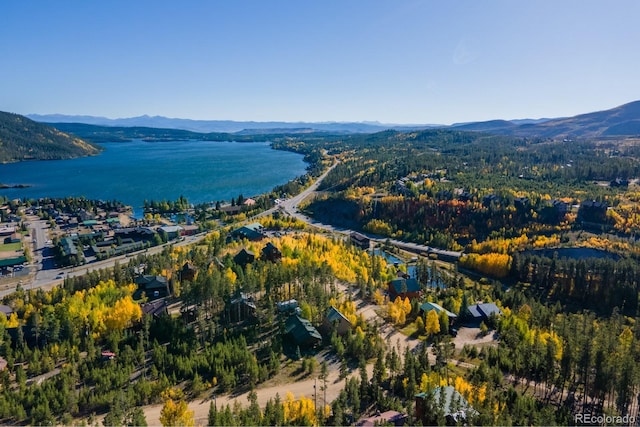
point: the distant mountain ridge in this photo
(623, 120)
(229, 126)
(24, 139)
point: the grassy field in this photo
(10, 247)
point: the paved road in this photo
(290, 206)
(48, 275)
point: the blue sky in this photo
(392, 61)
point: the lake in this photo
(202, 171)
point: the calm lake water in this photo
(202, 171)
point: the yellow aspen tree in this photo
(432, 324)
(176, 413)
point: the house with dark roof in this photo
(464, 196)
(448, 402)
(481, 312)
(241, 307)
(360, 240)
(490, 198)
(156, 308)
(188, 272)
(271, 253)
(592, 211)
(301, 332)
(521, 203)
(404, 288)
(250, 232)
(553, 211)
(153, 287)
(385, 418)
(244, 257)
(335, 320)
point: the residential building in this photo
(301, 332)
(271, 253)
(385, 418)
(250, 232)
(428, 306)
(404, 288)
(241, 307)
(455, 409)
(290, 306)
(335, 320)
(188, 272)
(244, 257)
(360, 240)
(153, 287)
(481, 312)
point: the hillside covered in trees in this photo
(23, 139)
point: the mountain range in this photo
(228, 126)
(618, 121)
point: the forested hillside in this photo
(23, 139)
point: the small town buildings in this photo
(385, 418)
(244, 257)
(69, 250)
(153, 287)
(404, 288)
(231, 209)
(301, 332)
(172, 231)
(481, 312)
(335, 320)
(271, 253)
(360, 240)
(189, 230)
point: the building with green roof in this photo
(301, 331)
